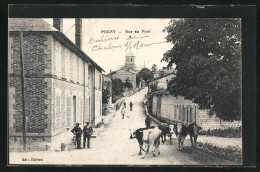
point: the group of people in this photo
(87, 132)
(124, 107)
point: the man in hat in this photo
(123, 113)
(148, 121)
(88, 131)
(124, 104)
(131, 106)
(77, 131)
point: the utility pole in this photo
(22, 89)
(111, 86)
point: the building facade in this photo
(161, 82)
(128, 71)
(164, 72)
(63, 86)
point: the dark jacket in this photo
(148, 121)
(88, 131)
(77, 131)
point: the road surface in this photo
(112, 146)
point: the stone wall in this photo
(37, 68)
(37, 56)
(211, 122)
(54, 88)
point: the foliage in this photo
(117, 88)
(106, 92)
(146, 75)
(128, 84)
(154, 86)
(154, 68)
(138, 80)
(233, 153)
(229, 132)
(207, 55)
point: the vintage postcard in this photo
(125, 91)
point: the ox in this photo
(183, 130)
(151, 137)
(138, 134)
(166, 130)
(193, 130)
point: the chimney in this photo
(78, 32)
(58, 24)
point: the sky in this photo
(107, 41)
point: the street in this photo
(112, 146)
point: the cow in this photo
(138, 134)
(183, 130)
(151, 137)
(193, 130)
(167, 129)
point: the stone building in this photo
(161, 82)
(63, 85)
(177, 109)
(128, 71)
(163, 72)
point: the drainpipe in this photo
(22, 89)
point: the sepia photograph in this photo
(125, 91)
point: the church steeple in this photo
(130, 60)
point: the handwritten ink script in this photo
(113, 39)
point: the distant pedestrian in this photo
(77, 132)
(123, 113)
(148, 121)
(131, 106)
(124, 104)
(88, 131)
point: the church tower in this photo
(130, 60)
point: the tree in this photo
(106, 92)
(128, 84)
(207, 55)
(146, 75)
(138, 80)
(117, 87)
(154, 87)
(154, 68)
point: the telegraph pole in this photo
(111, 86)
(22, 89)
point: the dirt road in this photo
(114, 147)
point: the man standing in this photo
(123, 112)
(148, 121)
(88, 131)
(77, 131)
(131, 106)
(124, 104)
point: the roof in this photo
(129, 53)
(29, 24)
(38, 24)
(160, 92)
(129, 71)
(163, 76)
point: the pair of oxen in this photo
(150, 137)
